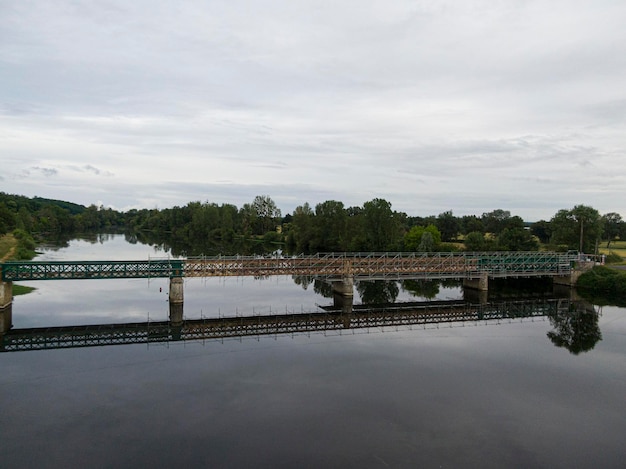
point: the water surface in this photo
(482, 394)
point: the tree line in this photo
(329, 226)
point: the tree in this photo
(382, 229)
(496, 221)
(517, 239)
(329, 226)
(611, 224)
(7, 219)
(475, 241)
(579, 228)
(448, 225)
(413, 239)
(301, 233)
(427, 244)
(471, 223)
(542, 230)
(266, 212)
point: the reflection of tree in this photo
(575, 329)
(323, 288)
(303, 280)
(428, 289)
(378, 291)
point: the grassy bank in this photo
(17, 246)
(21, 290)
(603, 285)
(8, 246)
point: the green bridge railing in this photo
(66, 270)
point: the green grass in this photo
(8, 245)
(617, 247)
(21, 290)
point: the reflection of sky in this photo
(494, 396)
(462, 395)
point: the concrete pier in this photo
(479, 283)
(568, 280)
(6, 294)
(344, 286)
(343, 302)
(6, 319)
(343, 293)
(176, 314)
(474, 296)
(177, 295)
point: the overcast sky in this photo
(433, 105)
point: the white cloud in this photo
(435, 106)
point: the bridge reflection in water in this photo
(330, 318)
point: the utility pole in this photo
(582, 222)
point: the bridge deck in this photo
(334, 265)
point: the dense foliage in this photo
(205, 227)
(604, 282)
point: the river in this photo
(460, 394)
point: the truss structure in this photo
(386, 266)
(72, 270)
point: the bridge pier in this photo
(343, 294)
(177, 298)
(343, 302)
(6, 319)
(344, 287)
(177, 295)
(474, 296)
(6, 293)
(480, 283)
(568, 280)
(176, 314)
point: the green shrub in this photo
(603, 281)
(614, 258)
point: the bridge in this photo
(371, 266)
(339, 269)
(330, 319)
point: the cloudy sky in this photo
(433, 105)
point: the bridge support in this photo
(176, 314)
(176, 301)
(343, 302)
(344, 287)
(6, 319)
(568, 280)
(480, 283)
(177, 295)
(474, 296)
(6, 294)
(343, 294)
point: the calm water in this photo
(460, 395)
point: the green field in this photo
(617, 247)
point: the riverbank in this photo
(8, 246)
(11, 247)
(604, 285)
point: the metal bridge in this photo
(362, 317)
(374, 266)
